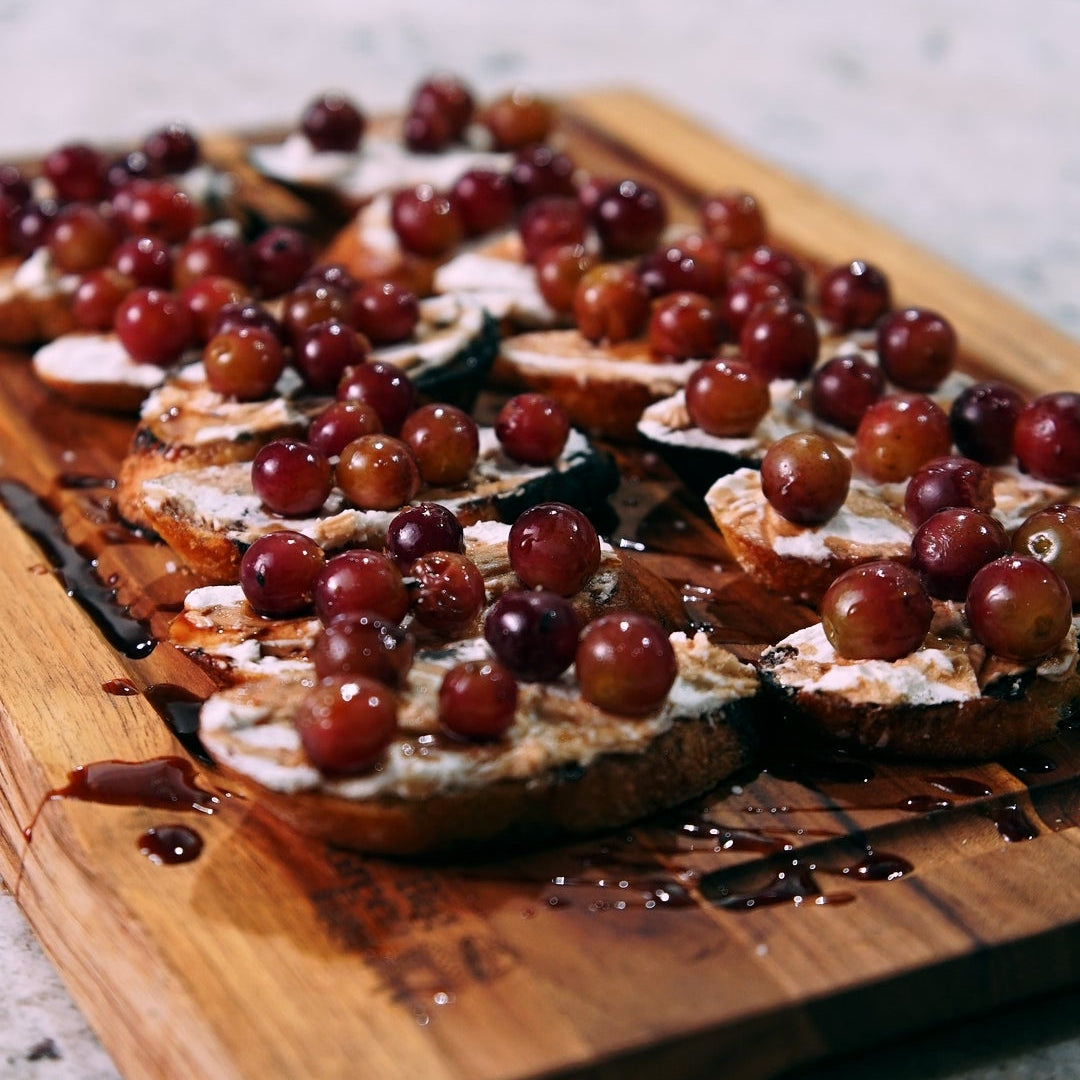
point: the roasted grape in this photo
(383, 386)
(517, 119)
(949, 547)
(211, 253)
(98, 296)
(155, 208)
(776, 263)
(684, 325)
(533, 632)
(1052, 535)
(477, 700)
(1046, 438)
(947, 481)
(876, 611)
(982, 418)
(780, 338)
(363, 643)
(559, 271)
(323, 353)
(551, 221)
(843, 388)
(805, 477)
(447, 591)
(278, 572)
(854, 296)
(445, 442)
(1019, 608)
(539, 171)
(280, 257)
(81, 239)
(346, 722)
(727, 398)
(385, 312)
(916, 348)
(205, 297)
(77, 172)
(746, 290)
(625, 664)
(532, 429)
(173, 148)
(694, 263)
(291, 478)
(611, 303)
(553, 546)
(312, 303)
(358, 581)
(244, 363)
(333, 122)
(485, 199)
(377, 472)
(735, 218)
(427, 222)
(421, 529)
(629, 219)
(154, 326)
(147, 260)
(898, 434)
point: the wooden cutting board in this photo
(819, 905)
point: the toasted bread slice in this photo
(798, 560)
(209, 516)
(564, 767)
(604, 388)
(948, 699)
(35, 300)
(218, 628)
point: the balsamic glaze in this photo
(169, 844)
(76, 572)
(179, 708)
(1013, 824)
(120, 688)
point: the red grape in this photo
(445, 442)
(727, 398)
(448, 591)
(154, 326)
(291, 477)
(323, 353)
(982, 419)
(805, 477)
(1019, 608)
(780, 338)
(98, 296)
(244, 363)
(625, 664)
(280, 257)
(346, 723)
(485, 200)
(333, 122)
(611, 303)
(735, 218)
(1052, 535)
(898, 434)
(147, 260)
(517, 119)
(553, 546)
(1046, 438)
(952, 544)
(421, 529)
(81, 239)
(684, 325)
(539, 171)
(854, 296)
(694, 263)
(77, 171)
(427, 222)
(173, 148)
(947, 481)
(385, 312)
(876, 611)
(533, 632)
(776, 263)
(559, 271)
(477, 700)
(211, 253)
(843, 388)
(278, 571)
(385, 387)
(916, 348)
(629, 219)
(357, 581)
(377, 472)
(341, 422)
(363, 643)
(532, 429)
(551, 221)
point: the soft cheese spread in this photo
(249, 727)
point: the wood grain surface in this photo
(818, 905)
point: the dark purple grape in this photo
(534, 633)
(421, 529)
(278, 571)
(843, 388)
(982, 419)
(949, 547)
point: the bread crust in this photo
(684, 762)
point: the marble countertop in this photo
(953, 121)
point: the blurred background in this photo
(955, 121)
